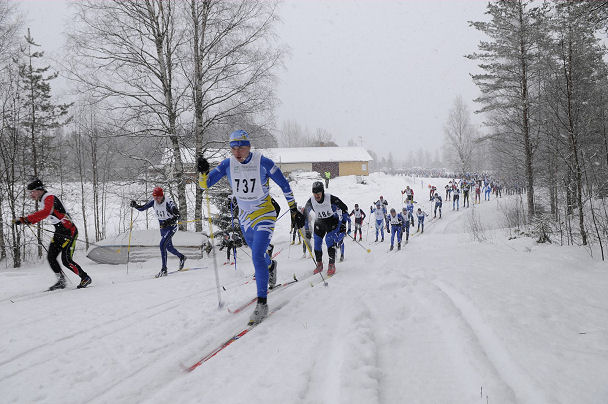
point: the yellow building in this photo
(339, 161)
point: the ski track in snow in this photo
(432, 323)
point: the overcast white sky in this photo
(385, 70)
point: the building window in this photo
(364, 167)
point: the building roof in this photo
(316, 154)
(280, 154)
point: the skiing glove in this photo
(342, 228)
(135, 204)
(22, 220)
(202, 165)
(298, 217)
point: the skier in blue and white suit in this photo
(168, 215)
(327, 224)
(248, 174)
(408, 220)
(380, 212)
(395, 220)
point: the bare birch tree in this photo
(460, 135)
(233, 63)
(128, 51)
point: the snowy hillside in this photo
(445, 320)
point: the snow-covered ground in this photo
(445, 320)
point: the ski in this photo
(253, 300)
(229, 341)
(34, 295)
(185, 269)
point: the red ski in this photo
(229, 341)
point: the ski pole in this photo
(129, 244)
(369, 250)
(245, 252)
(77, 240)
(190, 221)
(203, 181)
(284, 213)
(232, 218)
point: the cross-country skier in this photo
(420, 215)
(326, 224)
(477, 187)
(359, 215)
(248, 174)
(384, 203)
(344, 220)
(438, 204)
(456, 198)
(230, 241)
(380, 216)
(465, 193)
(410, 208)
(64, 238)
(448, 191)
(168, 215)
(409, 194)
(294, 231)
(487, 190)
(395, 220)
(408, 220)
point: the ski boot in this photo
(163, 272)
(272, 275)
(341, 258)
(360, 239)
(398, 246)
(331, 269)
(182, 261)
(269, 250)
(259, 313)
(319, 268)
(382, 241)
(376, 239)
(60, 284)
(84, 282)
(392, 248)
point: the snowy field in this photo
(445, 320)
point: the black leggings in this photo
(64, 244)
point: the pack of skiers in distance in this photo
(467, 185)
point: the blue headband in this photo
(237, 143)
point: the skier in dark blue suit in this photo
(168, 215)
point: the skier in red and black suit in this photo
(64, 239)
